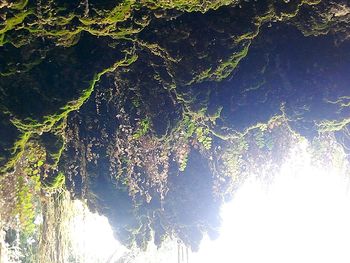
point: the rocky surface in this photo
(154, 112)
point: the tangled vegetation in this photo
(155, 112)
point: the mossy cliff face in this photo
(155, 111)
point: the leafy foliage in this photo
(155, 112)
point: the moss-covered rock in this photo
(155, 111)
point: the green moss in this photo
(26, 202)
(336, 125)
(203, 136)
(19, 5)
(11, 23)
(242, 43)
(189, 126)
(17, 152)
(144, 127)
(57, 185)
(136, 102)
(29, 127)
(224, 69)
(65, 27)
(333, 125)
(50, 121)
(57, 156)
(227, 67)
(183, 164)
(51, 23)
(189, 5)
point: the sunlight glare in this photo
(92, 237)
(303, 216)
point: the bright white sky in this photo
(303, 216)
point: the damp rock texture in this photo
(154, 112)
